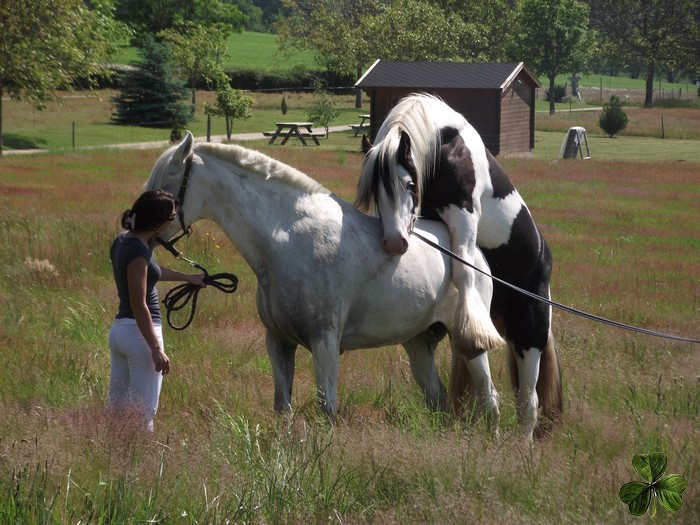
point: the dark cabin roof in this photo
(442, 75)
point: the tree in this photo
(552, 38)
(491, 27)
(197, 51)
(348, 35)
(663, 33)
(50, 45)
(333, 30)
(150, 95)
(230, 103)
(419, 30)
(613, 119)
(150, 17)
(323, 109)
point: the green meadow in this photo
(247, 50)
(623, 230)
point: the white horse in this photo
(322, 281)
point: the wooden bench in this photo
(299, 130)
(361, 125)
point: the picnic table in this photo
(300, 130)
(361, 125)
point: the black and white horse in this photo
(427, 158)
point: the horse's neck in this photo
(251, 211)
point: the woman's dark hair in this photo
(150, 210)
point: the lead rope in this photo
(554, 303)
(180, 296)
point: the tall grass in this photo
(625, 246)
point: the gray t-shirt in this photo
(123, 251)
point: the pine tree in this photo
(150, 94)
(613, 119)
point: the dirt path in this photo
(240, 137)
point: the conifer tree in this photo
(613, 119)
(150, 93)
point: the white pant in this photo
(133, 379)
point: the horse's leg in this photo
(421, 355)
(476, 332)
(486, 402)
(282, 356)
(527, 401)
(326, 356)
(528, 329)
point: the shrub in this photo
(613, 119)
(323, 109)
(559, 93)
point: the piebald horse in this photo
(323, 282)
(427, 158)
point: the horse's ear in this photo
(366, 145)
(185, 148)
(405, 147)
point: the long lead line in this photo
(554, 303)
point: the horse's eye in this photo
(411, 186)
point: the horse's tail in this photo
(549, 387)
(461, 387)
(549, 390)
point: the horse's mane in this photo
(415, 116)
(262, 165)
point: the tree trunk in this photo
(194, 91)
(551, 95)
(649, 96)
(229, 128)
(358, 91)
(1, 95)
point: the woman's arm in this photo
(166, 274)
(136, 275)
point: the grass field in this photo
(86, 121)
(247, 50)
(626, 246)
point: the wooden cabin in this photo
(497, 99)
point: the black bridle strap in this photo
(181, 195)
(554, 303)
(186, 230)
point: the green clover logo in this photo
(667, 490)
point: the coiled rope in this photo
(180, 296)
(554, 303)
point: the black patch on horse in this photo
(526, 262)
(454, 179)
(502, 186)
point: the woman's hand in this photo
(197, 279)
(161, 360)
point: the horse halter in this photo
(186, 230)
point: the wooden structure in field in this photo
(497, 99)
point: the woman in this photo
(138, 359)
